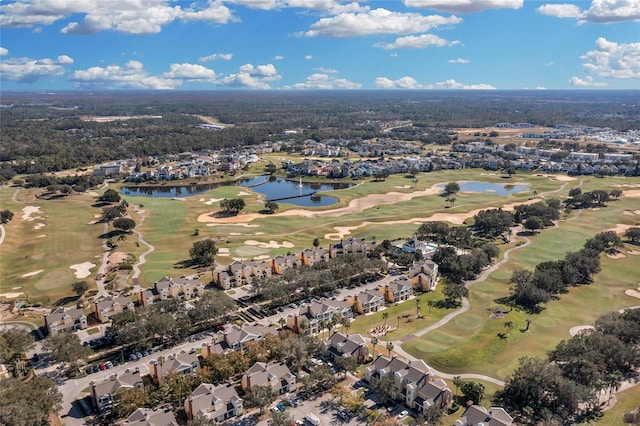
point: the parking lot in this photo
(323, 407)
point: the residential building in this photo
(111, 306)
(181, 363)
(345, 345)
(476, 415)
(151, 417)
(409, 379)
(241, 273)
(63, 319)
(423, 275)
(233, 337)
(313, 317)
(398, 290)
(102, 393)
(276, 376)
(313, 256)
(283, 262)
(368, 301)
(172, 288)
(213, 402)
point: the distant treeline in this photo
(43, 133)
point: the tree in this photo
(261, 396)
(28, 404)
(124, 224)
(14, 342)
(280, 418)
(271, 206)
(451, 188)
(633, 234)
(457, 382)
(418, 307)
(453, 291)
(233, 206)
(110, 196)
(385, 315)
(374, 343)
(451, 200)
(389, 347)
(347, 364)
(110, 213)
(509, 326)
(203, 251)
(472, 391)
(316, 242)
(6, 215)
(80, 287)
(384, 387)
(615, 193)
(66, 348)
(128, 400)
(533, 224)
(431, 303)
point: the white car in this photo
(403, 414)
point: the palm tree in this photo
(389, 348)
(374, 342)
(282, 322)
(347, 325)
(457, 382)
(509, 326)
(385, 315)
(418, 307)
(398, 322)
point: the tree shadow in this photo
(63, 301)
(447, 304)
(186, 264)
(100, 204)
(112, 234)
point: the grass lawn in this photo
(626, 401)
(482, 351)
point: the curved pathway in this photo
(2, 234)
(143, 257)
(102, 292)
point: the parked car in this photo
(281, 407)
(403, 414)
(133, 357)
(102, 367)
(108, 364)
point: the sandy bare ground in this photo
(31, 274)
(270, 244)
(561, 178)
(631, 193)
(39, 226)
(27, 211)
(11, 295)
(83, 270)
(633, 252)
(633, 293)
(223, 251)
(616, 256)
(577, 329)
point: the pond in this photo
(500, 189)
(272, 188)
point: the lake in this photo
(272, 188)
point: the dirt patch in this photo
(31, 274)
(82, 270)
(620, 228)
(28, 211)
(631, 193)
(11, 295)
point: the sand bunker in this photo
(223, 251)
(631, 193)
(31, 274)
(83, 270)
(212, 201)
(619, 228)
(580, 329)
(39, 226)
(403, 187)
(618, 255)
(633, 252)
(10, 295)
(270, 244)
(28, 211)
(632, 293)
(561, 178)
(41, 236)
(241, 193)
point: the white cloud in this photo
(308, 57)
(549, 64)
(27, 70)
(129, 16)
(377, 21)
(278, 58)
(401, 83)
(325, 82)
(326, 70)
(330, 5)
(600, 11)
(4, 51)
(452, 84)
(606, 11)
(190, 72)
(541, 88)
(131, 75)
(217, 56)
(586, 82)
(560, 10)
(613, 60)
(464, 6)
(458, 61)
(416, 42)
(254, 77)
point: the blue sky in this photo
(319, 44)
